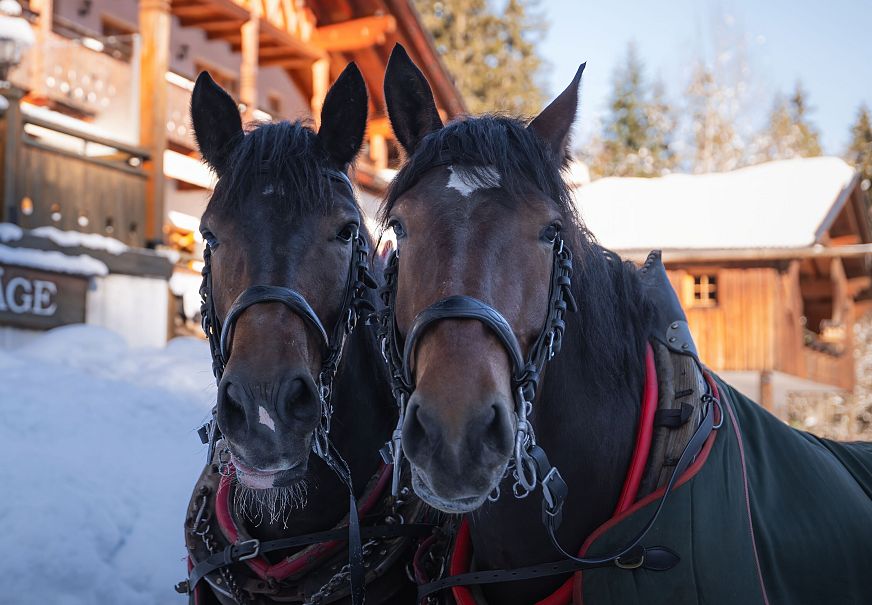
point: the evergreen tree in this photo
(717, 147)
(637, 135)
(860, 148)
(491, 55)
(789, 133)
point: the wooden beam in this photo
(320, 86)
(43, 31)
(380, 126)
(154, 28)
(354, 34)
(248, 66)
(287, 63)
(845, 240)
(677, 256)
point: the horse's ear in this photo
(554, 124)
(411, 107)
(217, 123)
(343, 116)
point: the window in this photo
(705, 290)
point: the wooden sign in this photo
(39, 300)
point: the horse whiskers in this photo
(272, 505)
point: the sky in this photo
(823, 44)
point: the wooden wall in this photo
(757, 324)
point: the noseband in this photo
(530, 462)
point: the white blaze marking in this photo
(264, 418)
(466, 185)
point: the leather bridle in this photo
(354, 305)
(531, 466)
(529, 461)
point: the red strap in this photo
(461, 556)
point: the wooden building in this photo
(772, 263)
(97, 136)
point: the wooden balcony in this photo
(74, 180)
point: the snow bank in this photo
(52, 261)
(94, 241)
(10, 232)
(100, 454)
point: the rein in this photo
(530, 465)
(220, 336)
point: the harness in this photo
(220, 335)
(530, 466)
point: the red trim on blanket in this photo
(461, 556)
(690, 473)
(308, 558)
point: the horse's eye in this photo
(399, 231)
(209, 238)
(348, 233)
(549, 234)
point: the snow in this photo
(100, 455)
(52, 261)
(93, 241)
(10, 232)
(776, 204)
(187, 284)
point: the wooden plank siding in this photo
(76, 186)
(757, 324)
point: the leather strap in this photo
(657, 558)
(462, 307)
(249, 549)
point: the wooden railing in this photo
(74, 180)
(86, 76)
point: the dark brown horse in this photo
(480, 298)
(286, 280)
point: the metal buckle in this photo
(634, 564)
(253, 544)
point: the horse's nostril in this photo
(231, 413)
(498, 432)
(299, 401)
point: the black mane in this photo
(610, 328)
(284, 161)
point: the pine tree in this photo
(860, 148)
(637, 136)
(492, 56)
(717, 147)
(789, 133)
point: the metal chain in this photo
(209, 542)
(338, 578)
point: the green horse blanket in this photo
(766, 515)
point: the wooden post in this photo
(42, 32)
(154, 29)
(766, 390)
(12, 131)
(320, 86)
(378, 151)
(248, 68)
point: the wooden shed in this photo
(772, 263)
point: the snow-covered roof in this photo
(772, 205)
(52, 261)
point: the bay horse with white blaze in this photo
(528, 359)
(285, 282)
